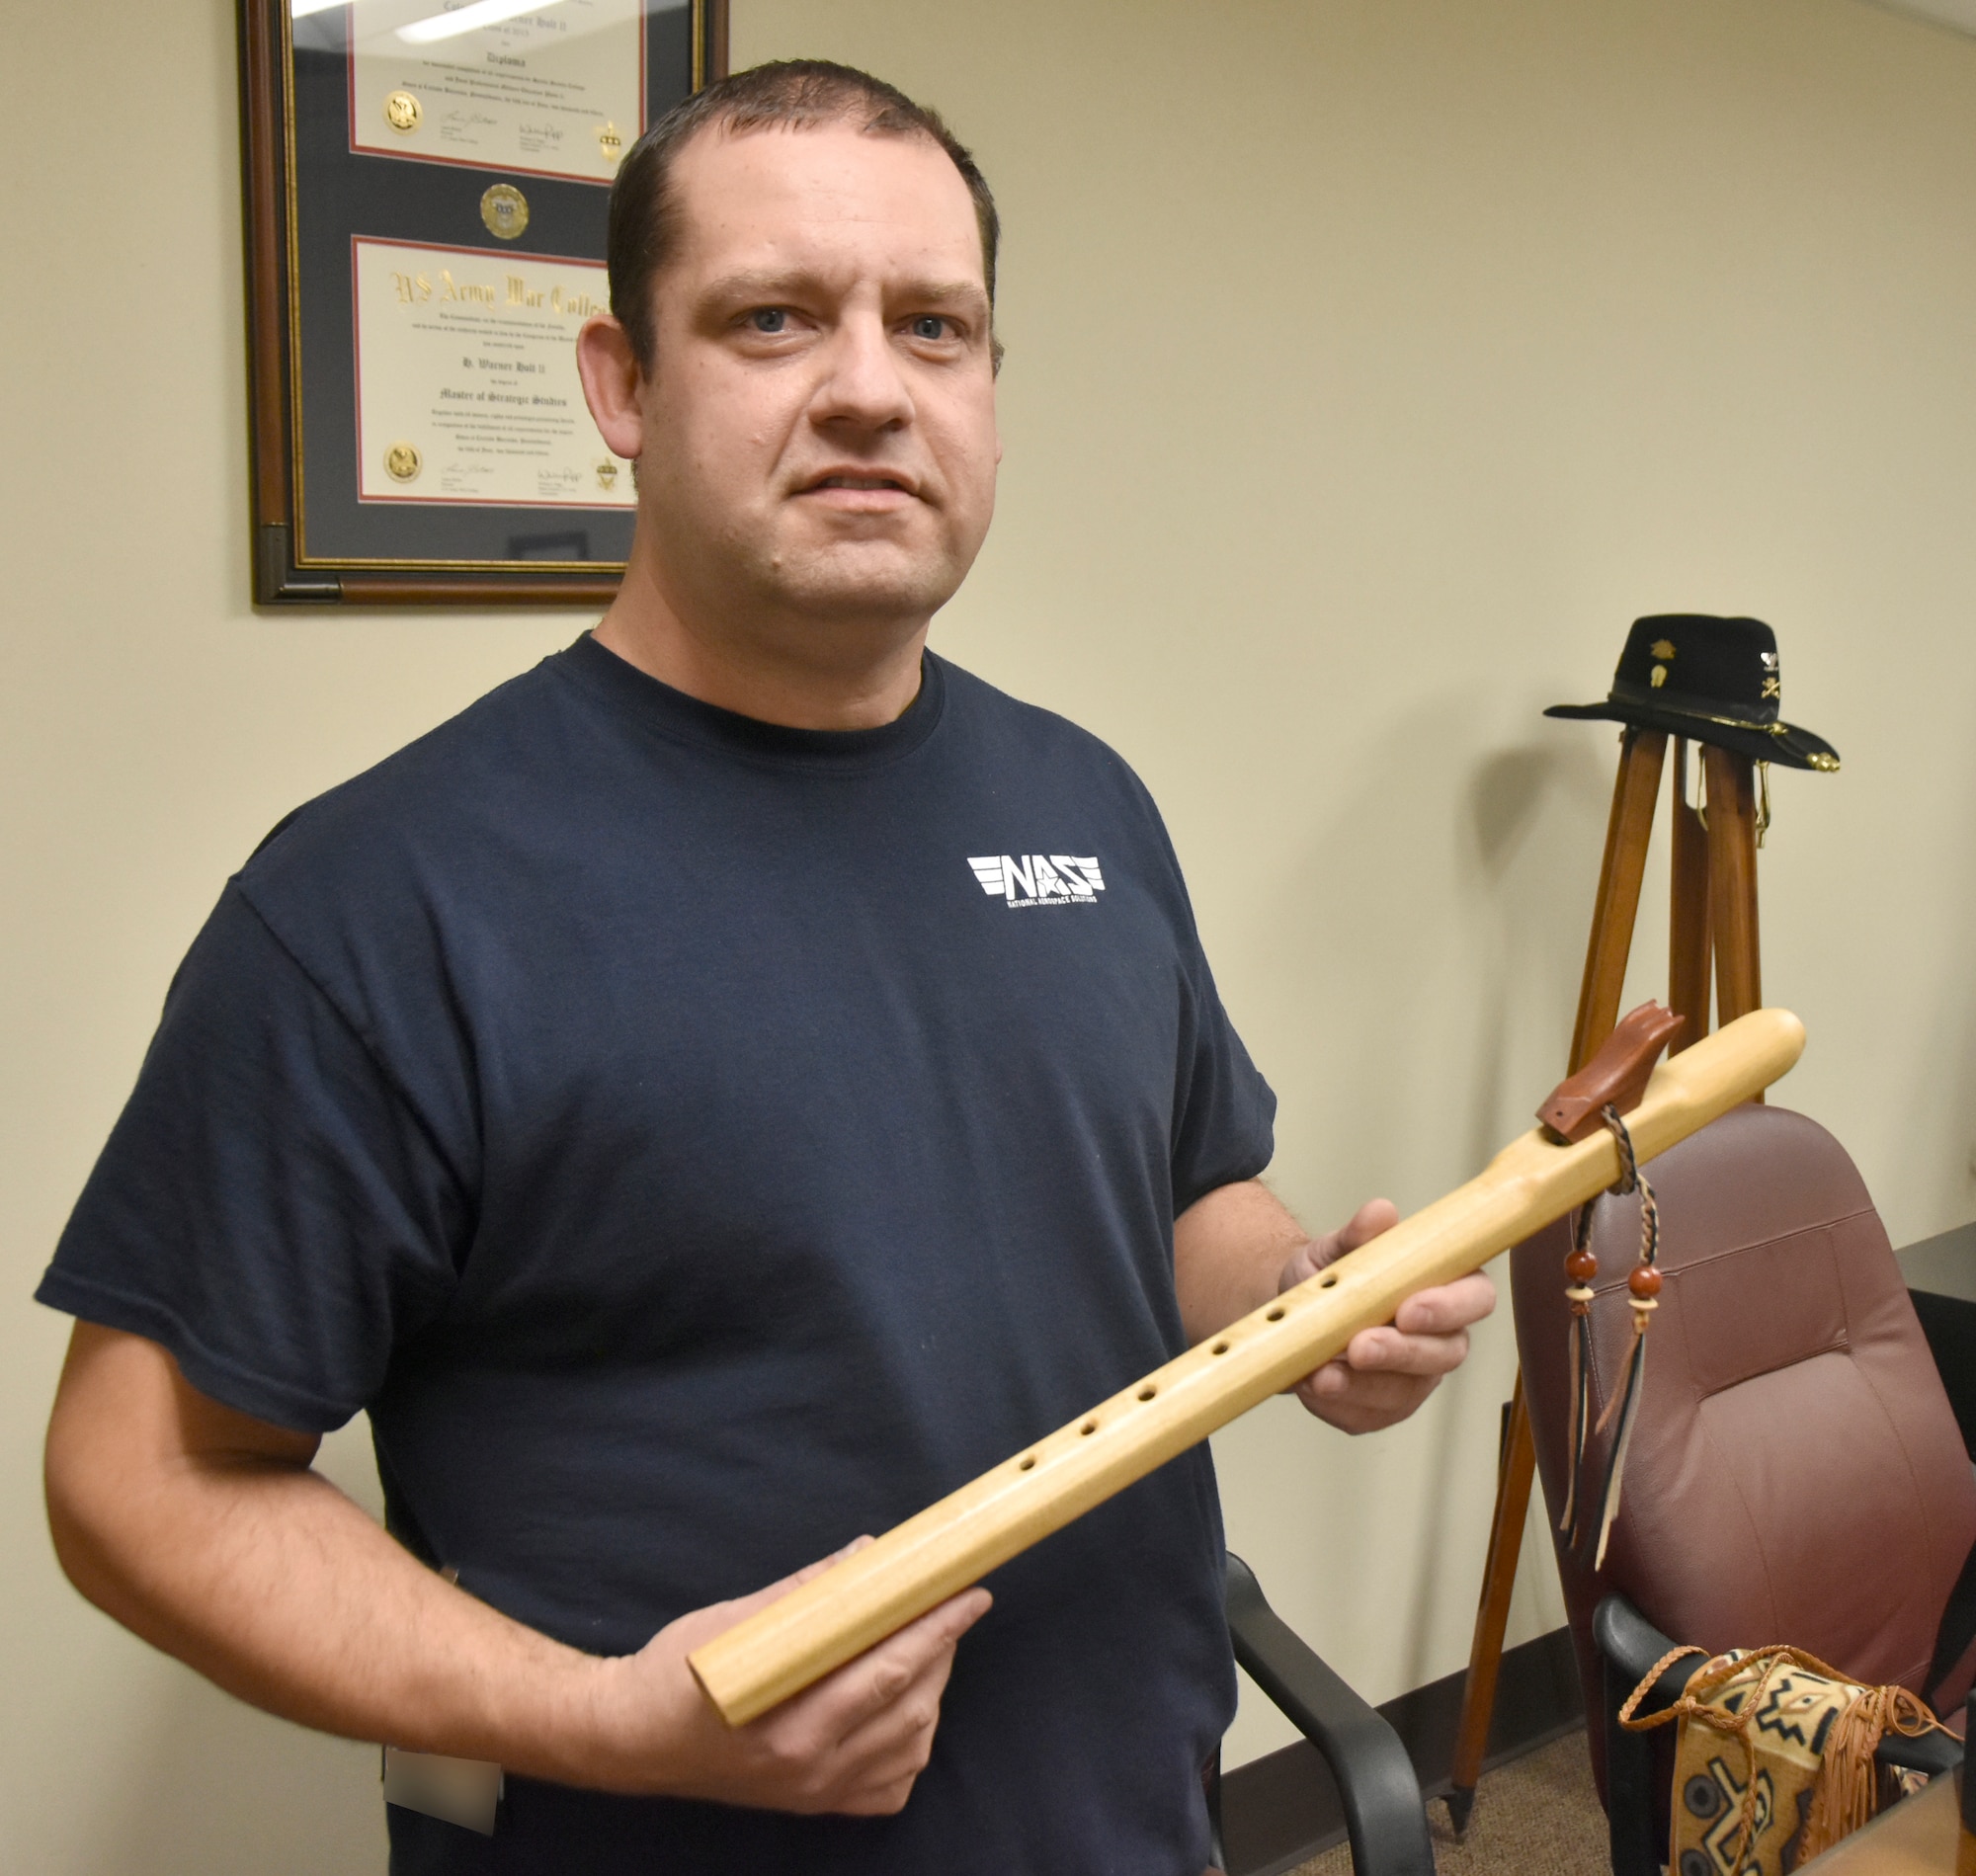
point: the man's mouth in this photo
(861, 488)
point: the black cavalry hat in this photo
(1710, 680)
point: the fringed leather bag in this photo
(1774, 1760)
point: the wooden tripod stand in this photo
(1712, 915)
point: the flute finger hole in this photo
(1028, 1464)
(1276, 1315)
(1089, 1426)
(1328, 1281)
(1147, 1393)
(1220, 1348)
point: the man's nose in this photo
(862, 384)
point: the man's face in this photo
(819, 427)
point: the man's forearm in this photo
(262, 1576)
(1230, 1248)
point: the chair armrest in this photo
(1384, 1816)
(1970, 1783)
(1629, 1645)
(1932, 1752)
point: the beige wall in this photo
(1371, 364)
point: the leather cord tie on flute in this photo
(1581, 1525)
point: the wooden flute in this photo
(871, 1594)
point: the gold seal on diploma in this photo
(402, 462)
(403, 113)
(609, 143)
(607, 474)
(505, 210)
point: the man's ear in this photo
(611, 383)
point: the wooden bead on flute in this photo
(875, 1592)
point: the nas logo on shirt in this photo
(1039, 879)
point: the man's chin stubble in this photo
(842, 583)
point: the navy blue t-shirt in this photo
(697, 1142)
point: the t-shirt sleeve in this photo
(1224, 1111)
(269, 1206)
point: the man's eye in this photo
(770, 319)
(930, 326)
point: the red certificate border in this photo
(403, 155)
(505, 254)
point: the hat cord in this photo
(1762, 799)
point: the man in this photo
(726, 1089)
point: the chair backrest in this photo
(1795, 1473)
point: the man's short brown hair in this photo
(796, 93)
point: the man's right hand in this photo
(853, 1742)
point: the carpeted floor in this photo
(1539, 1813)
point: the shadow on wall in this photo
(1426, 948)
(1537, 815)
(1530, 961)
(1423, 976)
(216, 1788)
(210, 1786)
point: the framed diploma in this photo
(427, 183)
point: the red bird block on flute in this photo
(1615, 1077)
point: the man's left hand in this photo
(1386, 1372)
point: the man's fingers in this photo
(1428, 1336)
(880, 1799)
(896, 1740)
(856, 1741)
(1380, 1389)
(1332, 1382)
(1366, 1223)
(1363, 1403)
(1386, 1372)
(944, 1625)
(874, 1718)
(701, 1625)
(743, 1606)
(1388, 1350)
(844, 1701)
(1447, 1307)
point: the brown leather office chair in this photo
(1796, 1474)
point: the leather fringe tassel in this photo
(1628, 1401)
(1850, 1785)
(1580, 1267)
(1584, 1526)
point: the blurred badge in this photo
(402, 462)
(403, 113)
(462, 1791)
